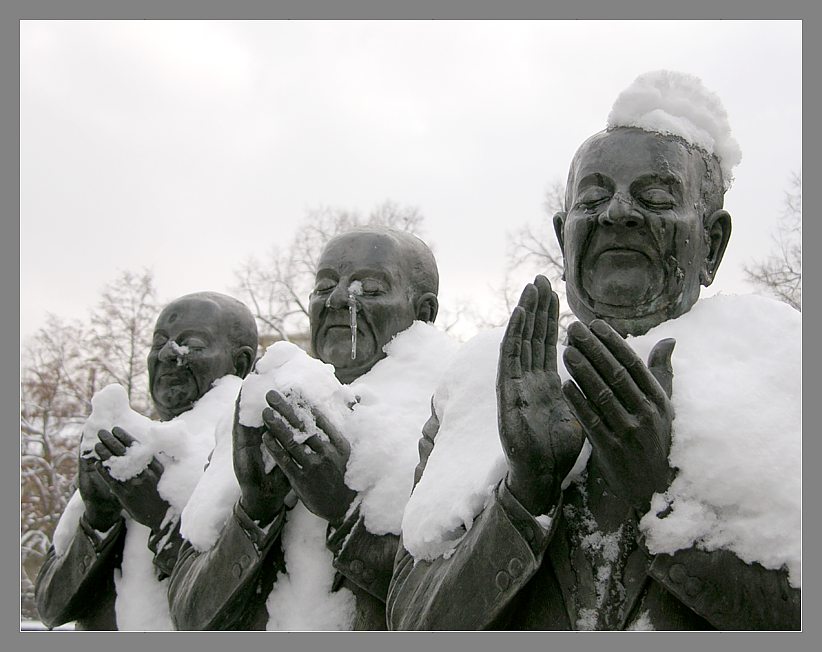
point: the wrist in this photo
(339, 519)
(102, 522)
(537, 495)
(261, 512)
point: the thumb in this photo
(659, 363)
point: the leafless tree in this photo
(532, 249)
(276, 288)
(56, 388)
(62, 366)
(122, 325)
(780, 274)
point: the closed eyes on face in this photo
(325, 284)
(369, 285)
(592, 197)
(657, 198)
(193, 341)
(651, 192)
(593, 190)
(657, 192)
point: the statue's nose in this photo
(167, 352)
(338, 299)
(620, 212)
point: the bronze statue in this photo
(381, 280)
(198, 338)
(643, 228)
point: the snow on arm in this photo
(385, 424)
(67, 525)
(467, 461)
(214, 496)
(382, 427)
(184, 443)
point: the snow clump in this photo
(675, 103)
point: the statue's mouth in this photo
(640, 248)
(619, 276)
(340, 321)
(172, 373)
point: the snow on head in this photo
(676, 103)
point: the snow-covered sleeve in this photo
(470, 589)
(165, 543)
(218, 589)
(365, 558)
(728, 592)
(79, 584)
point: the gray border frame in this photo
(12, 11)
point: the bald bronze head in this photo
(643, 228)
(392, 279)
(198, 338)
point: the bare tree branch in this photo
(780, 274)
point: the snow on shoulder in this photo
(737, 438)
(675, 103)
(384, 427)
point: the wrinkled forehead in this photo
(351, 252)
(191, 313)
(627, 154)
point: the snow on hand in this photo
(182, 445)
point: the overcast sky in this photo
(186, 146)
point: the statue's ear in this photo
(427, 307)
(559, 226)
(718, 230)
(243, 359)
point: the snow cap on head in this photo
(675, 103)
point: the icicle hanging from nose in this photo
(352, 313)
(354, 289)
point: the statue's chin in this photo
(623, 278)
(174, 400)
(336, 351)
